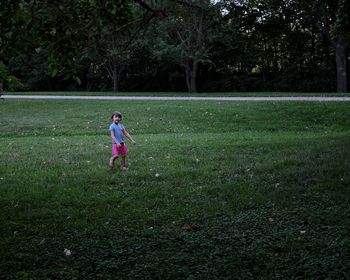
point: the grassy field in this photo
(214, 190)
(199, 94)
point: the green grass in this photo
(215, 190)
(199, 94)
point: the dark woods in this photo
(174, 45)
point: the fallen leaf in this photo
(186, 227)
(67, 252)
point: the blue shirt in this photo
(118, 132)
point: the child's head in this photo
(116, 115)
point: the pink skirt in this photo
(121, 151)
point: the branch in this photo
(147, 7)
(326, 33)
(185, 3)
(323, 26)
(144, 5)
(142, 26)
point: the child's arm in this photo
(127, 135)
(115, 139)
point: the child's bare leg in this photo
(111, 161)
(122, 163)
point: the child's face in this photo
(116, 118)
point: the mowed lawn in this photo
(214, 190)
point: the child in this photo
(119, 148)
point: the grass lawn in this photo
(214, 190)
(199, 94)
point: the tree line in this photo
(174, 45)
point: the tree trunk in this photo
(194, 77)
(115, 77)
(191, 76)
(188, 77)
(340, 54)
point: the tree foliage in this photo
(226, 45)
(332, 20)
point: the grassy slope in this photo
(262, 186)
(210, 94)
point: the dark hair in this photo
(116, 114)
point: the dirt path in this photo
(189, 98)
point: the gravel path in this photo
(275, 98)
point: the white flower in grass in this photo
(67, 252)
(302, 231)
(157, 175)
